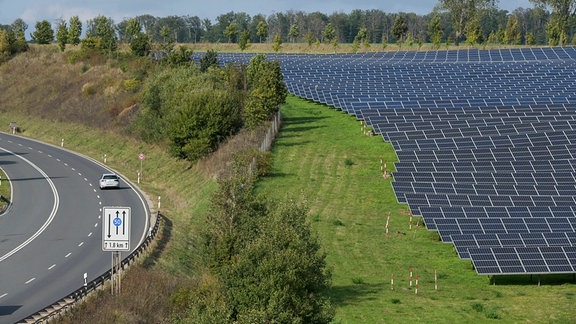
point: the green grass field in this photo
(322, 157)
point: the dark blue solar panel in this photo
(486, 142)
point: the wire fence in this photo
(266, 144)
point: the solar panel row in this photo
(486, 142)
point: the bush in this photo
(132, 85)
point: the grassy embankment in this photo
(322, 157)
(5, 194)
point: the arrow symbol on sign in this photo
(124, 222)
(109, 216)
(117, 213)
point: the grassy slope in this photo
(321, 155)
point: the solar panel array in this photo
(486, 141)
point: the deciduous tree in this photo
(231, 31)
(559, 22)
(294, 32)
(329, 33)
(435, 31)
(399, 28)
(464, 11)
(244, 41)
(513, 31)
(262, 30)
(19, 28)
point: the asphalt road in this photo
(51, 234)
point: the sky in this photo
(32, 11)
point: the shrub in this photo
(132, 85)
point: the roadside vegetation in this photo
(190, 115)
(5, 192)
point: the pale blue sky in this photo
(32, 11)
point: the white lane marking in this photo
(66, 164)
(96, 225)
(81, 243)
(50, 217)
(3, 295)
(89, 234)
(73, 169)
(51, 267)
(67, 255)
(29, 281)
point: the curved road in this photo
(51, 234)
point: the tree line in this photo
(549, 22)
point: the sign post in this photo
(116, 238)
(141, 156)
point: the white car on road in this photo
(109, 180)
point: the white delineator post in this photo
(387, 221)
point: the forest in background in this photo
(451, 22)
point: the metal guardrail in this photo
(69, 301)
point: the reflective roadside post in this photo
(141, 156)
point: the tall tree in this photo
(329, 33)
(231, 32)
(473, 32)
(513, 31)
(399, 28)
(44, 33)
(62, 34)
(19, 28)
(102, 28)
(435, 31)
(262, 30)
(196, 32)
(167, 43)
(294, 32)
(559, 22)
(244, 41)
(139, 42)
(463, 11)
(74, 30)
(133, 27)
